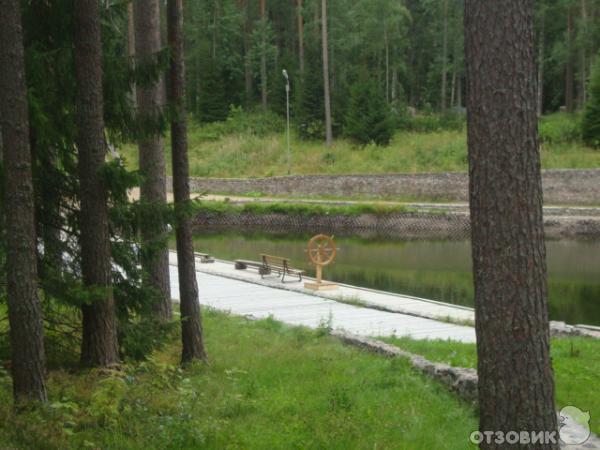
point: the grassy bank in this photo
(576, 364)
(253, 146)
(299, 209)
(268, 386)
(273, 386)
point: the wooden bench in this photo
(205, 258)
(243, 264)
(281, 266)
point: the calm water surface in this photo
(438, 270)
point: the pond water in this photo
(437, 270)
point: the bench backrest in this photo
(275, 260)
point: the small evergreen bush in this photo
(590, 125)
(310, 116)
(427, 123)
(559, 128)
(369, 117)
(212, 103)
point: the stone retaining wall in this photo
(461, 381)
(565, 186)
(401, 225)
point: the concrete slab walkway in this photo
(222, 287)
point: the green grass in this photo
(244, 147)
(268, 386)
(576, 363)
(298, 209)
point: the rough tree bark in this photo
(263, 57)
(24, 310)
(516, 388)
(327, 97)
(191, 322)
(99, 346)
(150, 99)
(540, 65)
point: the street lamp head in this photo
(285, 74)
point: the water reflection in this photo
(438, 270)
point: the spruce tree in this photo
(590, 126)
(309, 105)
(369, 118)
(212, 103)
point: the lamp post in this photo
(287, 105)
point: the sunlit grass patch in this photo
(267, 386)
(576, 363)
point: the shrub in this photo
(590, 126)
(244, 123)
(559, 128)
(369, 118)
(212, 103)
(310, 107)
(427, 123)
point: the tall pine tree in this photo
(24, 309)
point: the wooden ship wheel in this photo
(321, 252)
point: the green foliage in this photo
(431, 123)
(212, 102)
(559, 128)
(262, 380)
(51, 89)
(310, 108)
(576, 363)
(140, 336)
(252, 144)
(156, 404)
(296, 209)
(590, 125)
(369, 117)
(241, 123)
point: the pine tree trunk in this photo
(248, 79)
(300, 19)
(387, 65)
(327, 99)
(516, 387)
(459, 91)
(150, 99)
(191, 322)
(24, 309)
(444, 56)
(540, 74)
(263, 57)
(569, 78)
(99, 346)
(394, 83)
(453, 87)
(215, 30)
(582, 97)
(131, 45)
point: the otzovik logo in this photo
(574, 426)
(574, 429)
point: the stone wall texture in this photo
(564, 186)
(394, 225)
